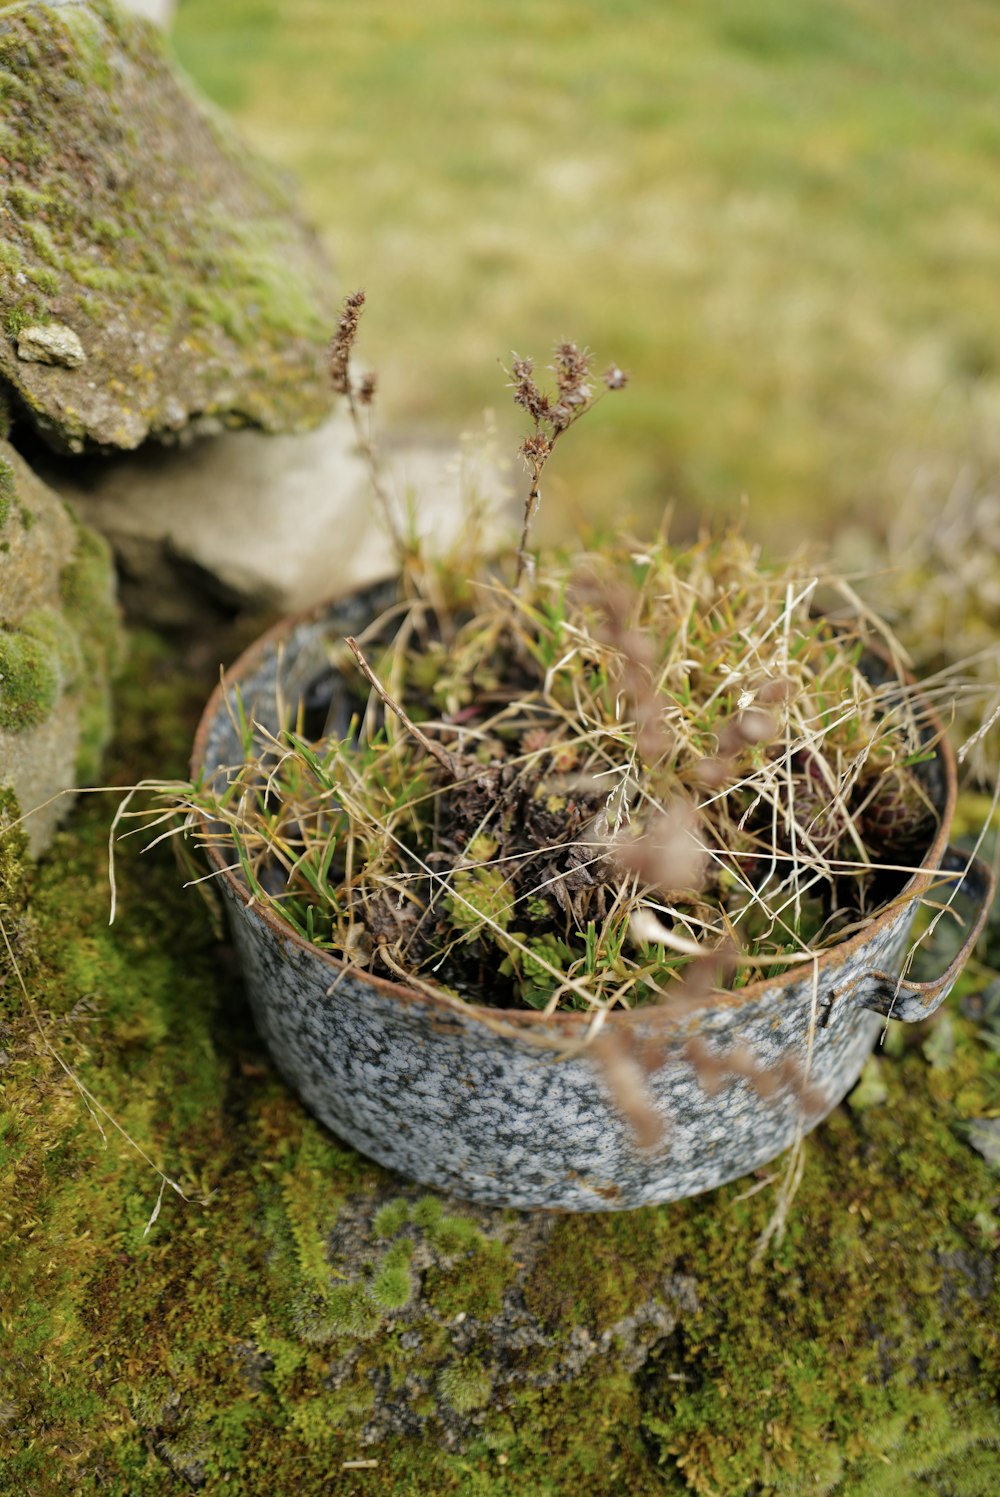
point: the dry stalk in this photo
(436, 750)
(359, 395)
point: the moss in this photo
(427, 1212)
(465, 1386)
(10, 255)
(87, 590)
(213, 262)
(25, 202)
(352, 1313)
(43, 244)
(392, 1285)
(22, 313)
(30, 679)
(7, 491)
(12, 87)
(46, 280)
(101, 278)
(454, 1234)
(14, 865)
(238, 1340)
(391, 1218)
(876, 1298)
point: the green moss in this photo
(239, 1340)
(87, 590)
(12, 87)
(26, 202)
(101, 277)
(475, 1285)
(465, 1386)
(7, 491)
(30, 679)
(24, 312)
(13, 856)
(852, 1303)
(391, 1218)
(52, 630)
(214, 259)
(10, 256)
(106, 231)
(352, 1313)
(90, 307)
(43, 244)
(454, 1234)
(46, 280)
(427, 1212)
(392, 1285)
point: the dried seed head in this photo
(615, 378)
(343, 341)
(366, 389)
(535, 449)
(526, 391)
(572, 372)
(745, 729)
(772, 692)
(716, 1069)
(625, 1078)
(670, 854)
(756, 726)
(712, 773)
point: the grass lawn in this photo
(784, 220)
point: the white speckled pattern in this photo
(437, 1095)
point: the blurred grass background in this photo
(783, 219)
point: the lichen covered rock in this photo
(151, 272)
(59, 643)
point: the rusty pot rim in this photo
(527, 1018)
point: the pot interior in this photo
(292, 670)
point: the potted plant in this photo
(575, 882)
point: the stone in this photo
(51, 344)
(161, 12)
(243, 520)
(136, 228)
(59, 642)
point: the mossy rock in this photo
(59, 645)
(304, 1310)
(151, 270)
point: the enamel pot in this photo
(509, 1107)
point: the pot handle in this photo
(913, 1001)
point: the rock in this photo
(161, 12)
(59, 641)
(136, 228)
(51, 344)
(246, 520)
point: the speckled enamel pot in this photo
(429, 1087)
